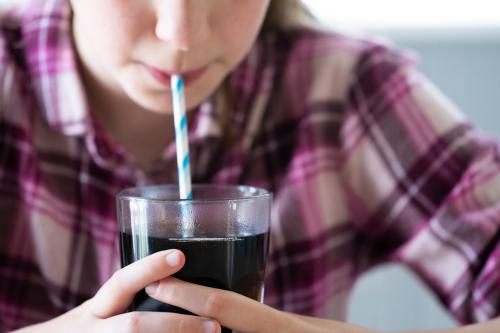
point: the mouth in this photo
(164, 77)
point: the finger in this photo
(153, 322)
(118, 292)
(228, 308)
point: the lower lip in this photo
(165, 79)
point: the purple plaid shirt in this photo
(369, 164)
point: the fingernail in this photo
(173, 259)
(151, 289)
(209, 326)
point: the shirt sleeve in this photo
(422, 185)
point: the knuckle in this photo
(85, 308)
(170, 293)
(117, 280)
(184, 325)
(278, 324)
(215, 304)
(282, 323)
(152, 268)
(132, 323)
(116, 275)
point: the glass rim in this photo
(255, 193)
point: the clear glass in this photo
(224, 233)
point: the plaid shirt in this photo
(368, 162)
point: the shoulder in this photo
(325, 65)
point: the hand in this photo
(240, 313)
(105, 311)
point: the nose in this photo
(183, 23)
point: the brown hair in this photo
(288, 15)
(282, 15)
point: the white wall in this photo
(392, 299)
(5, 3)
(397, 13)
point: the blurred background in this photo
(459, 47)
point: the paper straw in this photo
(181, 137)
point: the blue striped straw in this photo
(181, 137)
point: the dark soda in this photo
(231, 263)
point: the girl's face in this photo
(132, 47)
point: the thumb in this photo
(117, 293)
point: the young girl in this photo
(368, 163)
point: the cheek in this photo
(113, 27)
(242, 28)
